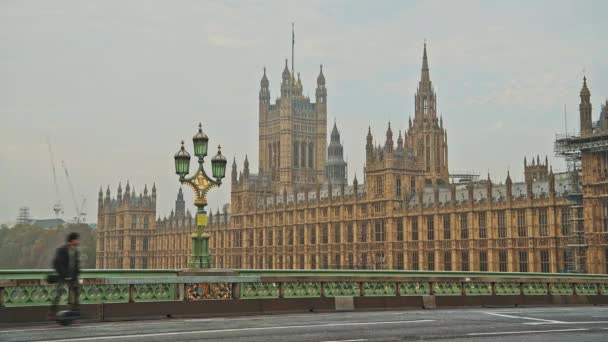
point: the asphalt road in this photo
(572, 323)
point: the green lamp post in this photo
(200, 183)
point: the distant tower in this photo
(426, 136)
(585, 109)
(535, 171)
(24, 216)
(336, 166)
(180, 205)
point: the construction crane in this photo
(83, 213)
(79, 211)
(58, 207)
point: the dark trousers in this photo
(73, 288)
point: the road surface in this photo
(572, 323)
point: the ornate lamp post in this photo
(200, 183)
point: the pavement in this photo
(571, 323)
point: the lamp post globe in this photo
(182, 162)
(201, 142)
(218, 165)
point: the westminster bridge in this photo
(313, 305)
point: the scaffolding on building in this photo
(570, 147)
(24, 216)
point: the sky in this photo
(115, 85)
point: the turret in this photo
(100, 198)
(154, 194)
(246, 168)
(264, 96)
(119, 194)
(127, 192)
(509, 185)
(585, 109)
(286, 82)
(551, 183)
(489, 188)
(107, 199)
(234, 172)
(180, 204)
(400, 142)
(321, 92)
(369, 147)
(388, 145)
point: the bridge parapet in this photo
(29, 287)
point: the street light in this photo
(201, 184)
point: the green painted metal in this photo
(535, 289)
(259, 290)
(507, 289)
(24, 287)
(154, 292)
(586, 289)
(342, 288)
(603, 289)
(415, 288)
(448, 288)
(91, 294)
(562, 289)
(31, 295)
(478, 288)
(382, 288)
(301, 289)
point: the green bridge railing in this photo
(28, 287)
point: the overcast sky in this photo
(116, 85)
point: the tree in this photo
(30, 247)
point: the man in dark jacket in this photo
(67, 266)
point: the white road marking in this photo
(522, 317)
(99, 338)
(359, 340)
(524, 332)
(590, 322)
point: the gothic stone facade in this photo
(406, 215)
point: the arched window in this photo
(425, 106)
(269, 157)
(295, 154)
(310, 156)
(303, 155)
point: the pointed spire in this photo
(234, 172)
(264, 81)
(389, 136)
(585, 89)
(425, 78)
(321, 77)
(246, 167)
(335, 134)
(400, 141)
(145, 189)
(286, 73)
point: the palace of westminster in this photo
(407, 213)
